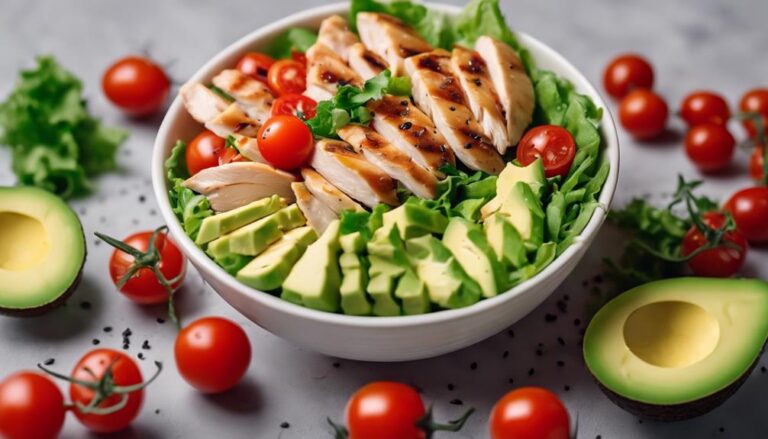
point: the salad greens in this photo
(56, 144)
(190, 208)
(348, 106)
(295, 39)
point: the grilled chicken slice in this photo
(364, 62)
(327, 193)
(410, 130)
(481, 96)
(201, 103)
(390, 38)
(233, 121)
(335, 34)
(236, 184)
(392, 160)
(438, 93)
(327, 72)
(512, 84)
(249, 148)
(252, 95)
(318, 215)
(349, 171)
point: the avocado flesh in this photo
(268, 270)
(533, 175)
(253, 238)
(677, 348)
(217, 225)
(413, 220)
(42, 251)
(315, 279)
(470, 247)
(522, 208)
(506, 242)
(354, 300)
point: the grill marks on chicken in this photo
(335, 34)
(327, 193)
(390, 38)
(318, 215)
(364, 62)
(326, 72)
(253, 96)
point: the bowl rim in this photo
(163, 144)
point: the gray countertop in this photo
(693, 44)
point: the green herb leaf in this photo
(297, 38)
(190, 208)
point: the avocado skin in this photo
(45, 308)
(678, 412)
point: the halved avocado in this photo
(42, 251)
(674, 349)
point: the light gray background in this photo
(693, 44)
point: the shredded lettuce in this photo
(56, 144)
(190, 208)
(295, 39)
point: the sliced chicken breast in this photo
(335, 34)
(438, 93)
(236, 184)
(249, 148)
(327, 72)
(201, 103)
(391, 160)
(318, 215)
(252, 95)
(364, 62)
(481, 96)
(409, 129)
(390, 38)
(349, 171)
(233, 121)
(327, 193)
(512, 84)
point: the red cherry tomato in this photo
(125, 372)
(710, 146)
(294, 105)
(212, 354)
(755, 101)
(626, 73)
(529, 413)
(204, 151)
(287, 76)
(229, 155)
(643, 114)
(144, 288)
(385, 410)
(136, 85)
(704, 107)
(757, 164)
(299, 56)
(285, 142)
(749, 208)
(31, 406)
(721, 261)
(555, 146)
(255, 65)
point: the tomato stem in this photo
(429, 426)
(339, 431)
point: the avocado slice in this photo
(354, 300)
(268, 270)
(532, 174)
(447, 284)
(677, 348)
(214, 226)
(412, 294)
(253, 238)
(315, 279)
(413, 220)
(522, 208)
(470, 247)
(505, 241)
(42, 251)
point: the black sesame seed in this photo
(567, 388)
(763, 369)
(561, 341)
(560, 363)
(95, 341)
(96, 242)
(450, 387)
(562, 306)
(157, 411)
(85, 305)
(597, 279)
(505, 354)
(406, 125)
(160, 320)
(142, 198)
(549, 318)
(107, 329)
(285, 425)
(478, 82)
(126, 346)
(598, 437)
(49, 361)
(511, 333)
(404, 103)
(721, 429)
(127, 332)
(576, 322)
(539, 352)
(452, 108)
(531, 371)
(511, 381)
(336, 365)
(473, 366)
(141, 356)
(468, 145)
(456, 401)
(146, 345)
(584, 283)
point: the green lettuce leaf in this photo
(56, 144)
(297, 38)
(190, 208)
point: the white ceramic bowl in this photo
(377, 338)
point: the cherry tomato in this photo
(385, 410)
(555, 146)
(287, 76)
(285, 142)
(136, 85)
(721, 261)
(143, 287)
(529, 413)
(31, 406)
(626, 73)
(294, 105)
(299, 56)
(229, 155)
(256, 65)
(643, 114)
(755, 101)
(125, 372)
(204, 151)
(212, 354)
(749, 208)
(710, 146)
(704, 107)
(757, 164)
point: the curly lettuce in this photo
(190, 208)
